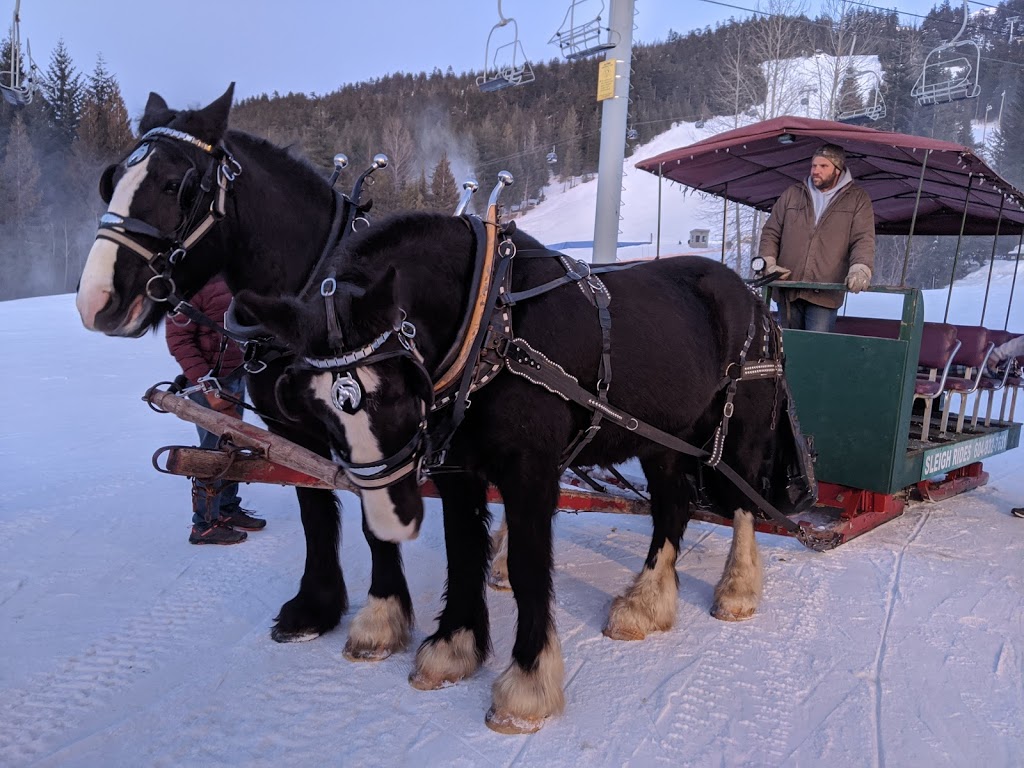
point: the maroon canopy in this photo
(753, 165)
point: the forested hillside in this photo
(438, 128)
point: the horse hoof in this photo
(499, 583)
(507, 723)
(623, 633)
(365, 654)
(423, 682)
(279, 635)
(722, 613)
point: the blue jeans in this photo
(801, 315)
(226, 492)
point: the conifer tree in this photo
(64, 93)
(444, 193)
(24, 268)
(1009, 154)
(569, 156)
(104, 129)
(20, 193)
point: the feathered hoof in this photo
(623, 633)
(423, 682)
(279, 635)
(498, 582)
(355, 653)
(736, 611)
(507, 723)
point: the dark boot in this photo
(217, 532)
(240, 518)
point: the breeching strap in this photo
(523, 360)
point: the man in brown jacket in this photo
(820, 231)
(202, 351)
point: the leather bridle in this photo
(397, 342)
(216, 179)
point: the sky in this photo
(189, 50)
(123, 645)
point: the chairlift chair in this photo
(579, 40)
(874, 110)
(632, 134)
(509, 66)
(950, 79)
(552, 157)
(1014, 28)
(17, 86)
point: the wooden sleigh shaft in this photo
(256, 455)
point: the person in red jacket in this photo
(217, 519)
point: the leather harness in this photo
(492, 347)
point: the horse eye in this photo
(172, 187)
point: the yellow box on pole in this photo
(606, 79)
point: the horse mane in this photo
(277, 158)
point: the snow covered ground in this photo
(122, 645)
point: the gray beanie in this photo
(833, 153)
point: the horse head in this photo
(162, 199)
(360, 373)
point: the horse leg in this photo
(530, 689)
(739, 590)
(322, 599)
(382, 626)
(649, 605)
(462, 640)
(498, 576)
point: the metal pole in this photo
(661, 178)
(992, 259)
(614, 112)
(1013, 283)
(999, 121)
(725, 218)
(959, 240)
(913, 219)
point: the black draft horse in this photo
(275, 221)
(676, 326)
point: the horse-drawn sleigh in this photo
(380, 342)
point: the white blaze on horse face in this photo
(381, 515)
(97, 284)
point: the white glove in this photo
(858, 278)
(771, 268)
(997, 356)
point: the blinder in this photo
(107, 183)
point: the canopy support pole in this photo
(992, 259)
(1013, 283)
(725, 218)
(913, 219)
(959, 241)
(661, 178)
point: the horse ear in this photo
(283, 316)
(214, 117)
(107, 184)
(157, 113)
